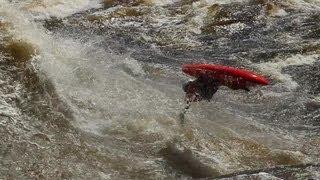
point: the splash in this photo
(44, 9)
(101, 88)
(274, 68)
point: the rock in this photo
(184, 160)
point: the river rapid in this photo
(93, 89)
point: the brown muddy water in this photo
(92, 89)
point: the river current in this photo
(93, 89)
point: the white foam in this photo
(306, 4)
(211, 2)
(59, 8)
(94, 83)
(163, 2)
(260, 175)
(274, 68)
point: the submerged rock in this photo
(20, 51)
(185, 161)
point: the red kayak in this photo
(231, 77)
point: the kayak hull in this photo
(229, 76)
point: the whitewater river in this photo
(92, 89)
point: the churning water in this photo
(92, 89)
